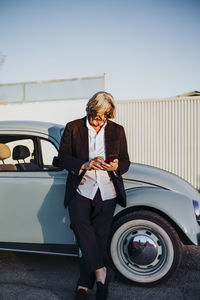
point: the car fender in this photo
(176, 206)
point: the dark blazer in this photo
(74, 151)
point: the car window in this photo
(27, 153)
(18, 153)
(28, 143)
(48, 152)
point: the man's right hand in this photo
(93, 164)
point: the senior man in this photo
(94, 186)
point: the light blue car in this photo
(146, 238)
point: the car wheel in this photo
(144, 248)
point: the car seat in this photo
(20, 152)
(4, 154)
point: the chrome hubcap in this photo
(141, 250)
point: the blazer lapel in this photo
(108, 138)
(84, 145)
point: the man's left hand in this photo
(112, 166)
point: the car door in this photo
(31, 198)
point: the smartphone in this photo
(110, 158)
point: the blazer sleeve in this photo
(66, 159)
(124, 162)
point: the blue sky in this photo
(147, 48)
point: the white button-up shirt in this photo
(93, 179)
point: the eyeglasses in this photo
(102, 117)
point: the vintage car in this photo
(146, 238)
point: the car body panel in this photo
(48, 130)
(33, 209)
(145, 175)
(177, 207)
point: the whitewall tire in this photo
(144, 248)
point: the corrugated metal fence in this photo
(164, 133)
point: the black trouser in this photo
(90, 221)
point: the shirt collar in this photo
(91, 128)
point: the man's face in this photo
(98, 120)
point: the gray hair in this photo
(103, 103)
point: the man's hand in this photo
(99, 164)
(112, 166)
(93, 164)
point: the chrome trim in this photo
(38, 252)
(196, 210)
(149, 185)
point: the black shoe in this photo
(102, 289)
(81, 294)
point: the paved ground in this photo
(42, 277)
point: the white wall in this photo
(57, 111)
